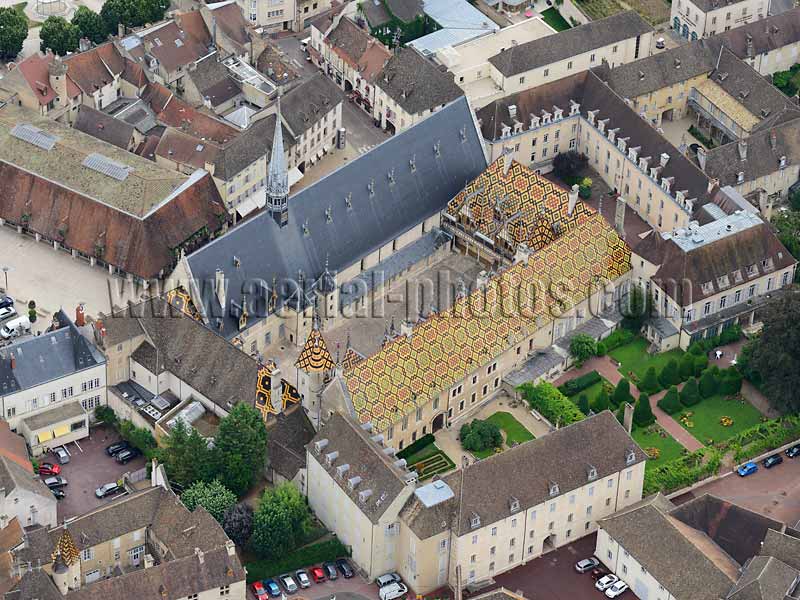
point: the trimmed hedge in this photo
(425, 440)
(728, 336)
(670, 403)
(618, 338)
(682, 472)
(551, 404)
(577, 385)
(303, 557)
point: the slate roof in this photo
(267, 251)
(13, 477)
(104, 127)
(783, 547)
(661, 546)
(562, 457)
(249, 146)
(405, 10)
(46, 357)
(415, 83)
(212, 79)
(287, 437)
(707, 5)
(358, 48)
(766, 35)
(766, 578)
(307, 103)
(366, 460)
(571, 42)
(184, 149)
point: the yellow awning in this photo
(45, 436)
(61, 430)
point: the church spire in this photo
(278, 175)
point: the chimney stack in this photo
(742, 150)
(573, 199)
(80, 315)
(619, 217)
(13, 361)
(200, 555)
(523, 254)
(701, 158)
(219, 288)
(275, 389)
(406, 328)
(773, 139)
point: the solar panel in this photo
(106, 166)
(34, 135)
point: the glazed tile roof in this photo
(314, 357)
(517, 206)
(289, 393)
(66, 549)
(443, 348)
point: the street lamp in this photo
(5, 270)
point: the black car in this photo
(127, 455)
(330, 570)
(59, 494)
(793, 452)
(116, 448)
(345, 568)
(772, 461)
(6, 301)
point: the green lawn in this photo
(552, 17)
(592, 392)
(706, 416)
(20, 8)
(514, 430)
(634, 357)
(655, 437)
(429, 461)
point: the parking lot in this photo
(355, 588)
(89, 468)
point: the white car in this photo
(62, 454)
(7, 312)
(617, 589)
(392, 591)
(388, 579)
(606, 582)
(288, 583)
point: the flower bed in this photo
(682, 472)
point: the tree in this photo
(708, 383)
(787, 225)
(670, 374)
(13, 31)
(686, 366)
(642, 413)
(700, 364)
(59, 35)
(238, 523)
(635, 308)
(775, 356)
(138, 437)
(582, 347)
(730, 381)
(690, 393)
(213, 496)
(480, 435)
(568, 165)
(602, 402)
(670, 403)
(602, 349)
(280, 522)
(131, 13)
(90, 25)
(650, 382)
(185, 455)
(622, 393)
(240, 448)
(583, 404)
(153, 10)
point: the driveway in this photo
(89, 468)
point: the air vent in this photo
(34, 135)
(106, 166)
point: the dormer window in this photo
(553, 489)
(475, 521)
(591, 473)
(723, 281)
(630, 457)
(707, 287)
(751, 270)
(737, 276)
(767, 264)
(513, 504)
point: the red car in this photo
(317, 574)
(49, 469)
(259, 591)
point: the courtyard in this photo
(634, 360)
(706, 418)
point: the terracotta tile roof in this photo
(172, 46)
(134, 74)
(194, 26)
(34, 69)
(385, 386)
(13, 447)
(358, 49)
(186, 149)
(93, 69)
(272, 63)
(516, 207)
(231, 21)
(104, 127)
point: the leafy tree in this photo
(480, 435)
(13, 31)
(59, 35)
(690, 393)
(700, 364)
(138, 437)
(583, 404)
(709, 384)
(280, 522)
(787, 226)
(568, 165)
(602, 402)
(775, 356)
(238, 523)
(670, 403)
(213, 496)
(622, 393)
(650, 382)
(670, 374)
(582, 347)
(185, 455)
(602, 349)
(686, 366)
(90, 25)
(696, 349)
(132, 13)
(635, 308)
(105, 414)
(642, 413)
(240, 448)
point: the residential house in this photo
(11, 536)
(230, 31)
(768, 45)
(694, 19)
(209, 83)
(107, 128)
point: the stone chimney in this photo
(627, 418)
(619, 217)
(84, 44)
(701, 158)
(742, 150)
(230, 547)
(573, 199)
(219, 288)
(750, 48)
(523, 254)
(149, 561)
(482, 280)
(275, 389)
(201, 557)
(773, 140)
(664, 159)
(121, 30)
(406, 328)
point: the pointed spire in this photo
(278, 175)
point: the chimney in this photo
(406, 328)
(84, 44)
(275, 389)
(742, 150)
(773, 140)
(712, 183)
(13, 361)
(230, 547)
(200, 555)
(148, 561)
(523, 254)
(121, 30)
(701, 158)
(214, 31)
(664, 159)
(750, 49)
(573, 199)
(482, 280)
(627, 417)
(219, 288)
(619, 217)
(80, 315)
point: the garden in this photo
(485, 437)
(659, 445)
(634, 360)
(718, 418)
(426, 458)
(652, 11)
(552, 17)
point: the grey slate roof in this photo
(46, 357)
(405, 10)
(571, 42)
(55, 415)
(266, 250)
(766, 34)
(783, 547)
(104, 127)
(247, 147)
(212, 79)
(765, 578)
(305, 104)
(541, 363)
(287, 436)
(415, 83)
(366, 460)
(707, 5)
(13, 476)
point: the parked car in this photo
(302, 578)
(617, 589)
(747, 469)
(317, 574)
(108, 489)
(15, 327)
(59, 494)
(288, 583)
(55, 482)
(49, 469)
(587, 564)
(388, 579)
(606, 582)
(127, 455)
(345, 568)
(6, 301)
(330, 570)
(6, 312)
(599, 572)
(793, 452)
(661, 43)
(61, 454)
(772, 461)
(116, 448)
(392, 591)
(272, 587)
(258, 590)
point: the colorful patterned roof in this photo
(66, 549)
(515, 207)
(408, 372)
(314, 357)
(351, 358)
(289, 393)
(180, 299)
